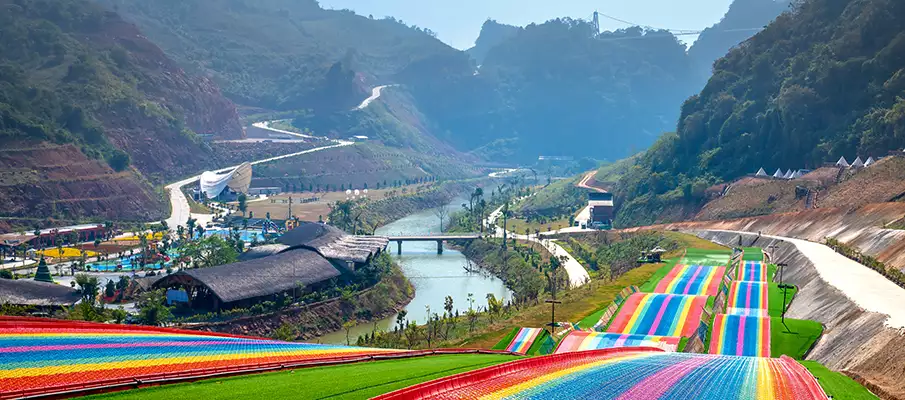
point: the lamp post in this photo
(552, 323)
(783, 286)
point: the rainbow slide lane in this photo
(752, 271)
(692, 280)
(582, 340)
(45, 356)
(740, 335)
(748, 298)
(523, 340)
(627, 373)
(659, 314)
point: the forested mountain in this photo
(557, 89)
(492, 34)
(84, 98)
(282, 54)
(743, 20)
(824, 81)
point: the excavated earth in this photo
(856, 342)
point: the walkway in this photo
(375, 94)
(577, 274)
(860, 284)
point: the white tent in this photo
(797, 174)
(858, 163)
(842, 162)
(870, 161)
(778, 173)
(239, 179)
(788, 174)
(761, 172)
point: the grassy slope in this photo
(837, 385)
(364, 380)
(795, 341)
(774, 300)
(753, 254)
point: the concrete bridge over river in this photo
(432, 238)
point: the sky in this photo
(458, 22)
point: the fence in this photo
(614, 306)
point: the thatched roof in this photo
(266, 250)
(32, 293)
(334, 243)
(258, 277)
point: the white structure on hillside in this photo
(857, 163)
(778, 173)
(870, 161)
(761, 172)
(237, 180)
(788, 174)
(842, 162)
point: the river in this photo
(434, 276)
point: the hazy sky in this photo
(458, 22)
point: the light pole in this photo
(783, 286)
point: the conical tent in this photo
(778, 173)
(858, 163)
(788, 174)
(842, 162)
(43, 273)
(870, 161)
(761, 172)
(797, 174)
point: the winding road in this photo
(375, 94)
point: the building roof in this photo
(761, 172)
(333, 243)
(603, 203)
(259, 277)
(33, 293)
(239, 179)
(266, 250)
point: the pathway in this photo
(577, 274)
(375, 94)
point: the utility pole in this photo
(783, 286)
(290, 208)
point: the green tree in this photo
(243, 203)
(88, 287)
(152, 308)
(43, 273)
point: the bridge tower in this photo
(595, 21)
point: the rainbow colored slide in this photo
(627, 374)
(46, 356)
(692, 280)
(754, 271)
(523, 340)
(658, 314)
(581, 341)
(740, 335)
(748, 298)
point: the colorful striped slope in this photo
(754, 271)
(748, 298)
(581, 341)
(627, 374)
(42, 356)
(740, 335)
(657, 314)
(523, 340)
(692, 279)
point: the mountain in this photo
(824, 81)
(282, 54)
(557, 88)
(92, 115)
(743, 19)
(492, 34)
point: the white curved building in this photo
(238, 180)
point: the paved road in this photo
(577, 274)
(860, 284)
(584, 182)
(375, 94)
(266, 126)
(180, 212)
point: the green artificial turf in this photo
(589, 321)
(797, 340)
(504, 342)
(707, 257)
(351, 381)
(774, 298)
(753, 254)
(651, 284)
(837, 385)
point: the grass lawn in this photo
(753, 254)
(797, 341)
(577, 305)
(837, 385)
(352, 381)
(518, 225)
(651, 284)
(774, 298)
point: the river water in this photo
(434, 276)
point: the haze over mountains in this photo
(81, 79)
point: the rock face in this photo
(855, 342)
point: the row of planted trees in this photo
(893, 274)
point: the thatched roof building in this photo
(32, 293)
(309, 255)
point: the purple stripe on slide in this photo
(740, 344)
(656, 323)
(21, 349)
(693, 277)
(655, 386)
